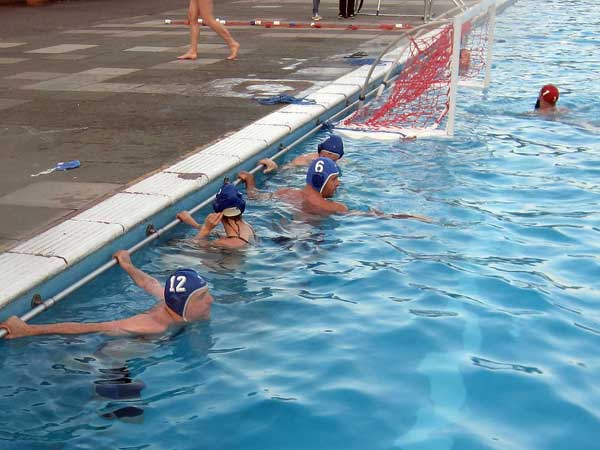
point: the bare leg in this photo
(206, 12)
(192, 53)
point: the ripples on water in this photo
(480, 330)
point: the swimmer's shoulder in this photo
(154, 321)
(304, 160)
(288, 193)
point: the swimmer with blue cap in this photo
(322, 182)
(332, 148)
(184, 297)
(229, 206)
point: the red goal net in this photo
(418, 100)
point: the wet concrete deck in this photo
(98, 81)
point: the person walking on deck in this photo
(204, 9)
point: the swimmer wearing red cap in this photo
(546, 101)
(183, 298)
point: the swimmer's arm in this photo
(187, 218)
(270, 165)
(211, 221)
(139, 324)
(150, 284)
(253, 193)
(330, 206)
(337, 207)
(302, 160)
(410, 216)
(17, 328)
(377, 213)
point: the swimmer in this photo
(546, 101)
(184, 298)
(332, 148)
(464, 62)
(229, 206)
(204, 9)
(322, 181)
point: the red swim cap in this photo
(549, 93)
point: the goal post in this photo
(421, 100)
(473, 36)
(476, 37)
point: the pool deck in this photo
(98, 82)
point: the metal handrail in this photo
(47, 304)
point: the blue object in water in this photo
(119, 389)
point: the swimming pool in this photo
(477, 331)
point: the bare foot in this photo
(233, 49)
(188, 55)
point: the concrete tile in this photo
(19, 222)
(59, 84)
(299, 35)
(11, 44)
(62, 48)
(186, 65)
(158, 24)
(57, 194)
(173, 33)
(66, 57)
(208, 46)
(36, 76)
(77, 81)
(12, 60)
(106, 32)
(323, 72)
(134, 34)
(108, 71)
(149, 49)
(110, 87)
(177, 89)
(150, 23)
(6, 103)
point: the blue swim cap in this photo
(320, 171)
(332, 144)
(229, 201)
(179, 288)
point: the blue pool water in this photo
(480, 330)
